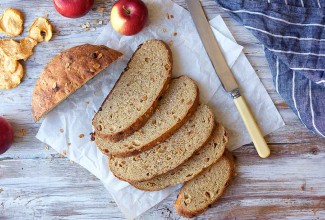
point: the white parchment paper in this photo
(62, 127)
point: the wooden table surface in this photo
(37, 183)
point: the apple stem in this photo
(127, 11)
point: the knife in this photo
(225, 75)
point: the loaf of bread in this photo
(202, 191)
(135, 95)
(174, 108)
(193, 135)
(202, 159)
(66, 73)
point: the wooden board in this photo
(36, 183)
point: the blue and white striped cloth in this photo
(293, 35)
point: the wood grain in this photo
(36, 183)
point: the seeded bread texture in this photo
(135, 95)
(202, 191)
(202, 159)
(193, 135)
(174, 108)
(66, 73)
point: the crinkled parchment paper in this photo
(64, 127)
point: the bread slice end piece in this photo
(183, 198)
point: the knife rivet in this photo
(235, 93)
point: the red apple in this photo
(73, 8)
(128, 17)
(6, 135)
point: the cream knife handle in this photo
(252, 128)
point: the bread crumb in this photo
(22, 132)
(101, 10)
(303, 187)
(61, 130)
(46, 148)
(171, 16)
(175, 34)
(81, 136)
(60, 155)
(64, 152)
(69, 144)
(167, 15)
(1, 190)
(164, 30)
(171, 43)
(86, 26)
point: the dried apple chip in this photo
(9, 80)
(11, 22)
(7, 64)
(18, 51)
(40, 30)
(27, 45)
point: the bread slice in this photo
(193, 135)
(173, 110)
(202, 159)
(135, 95)
(199, 193)
(66, 73)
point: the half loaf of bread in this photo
(135, 95)
(174, 108)
(193, 135)
(202, 159)
(66, 73)
(202, 191)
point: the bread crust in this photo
(165, 170)
(163, 137)
(139, 122)
(190, 214)
(66, 73)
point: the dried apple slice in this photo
(40, 30)
(11, 22)
(7, 64)
(11, 72)
(27, 45)
(18, 51)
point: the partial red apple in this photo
(6, 135)
(73, 8)
(128, 17)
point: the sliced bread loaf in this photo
(135, 95)
(66, 73)
(193, 135)
(202, 159)
(203, 190)
(175, 107)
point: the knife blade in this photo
(225, 75)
